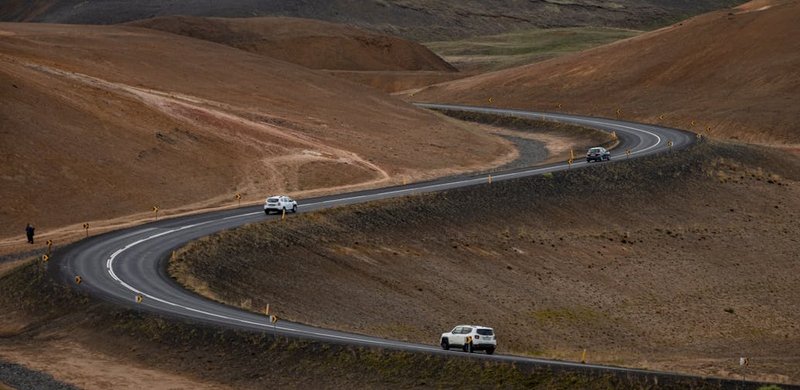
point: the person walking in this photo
(29, 232)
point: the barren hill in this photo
(733, 73)
(417, 19)
(101, 122)
(311, 43)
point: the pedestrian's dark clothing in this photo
(29, 232)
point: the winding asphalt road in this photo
(120, 265)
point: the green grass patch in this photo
(524, 47)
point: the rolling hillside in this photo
(421, 20)
(310, 43)
(732, 74)
(102, 122)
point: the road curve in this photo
(120, 265)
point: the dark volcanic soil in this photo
(680, 262)
(90, 345)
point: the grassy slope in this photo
(495, 52)
(701, 272)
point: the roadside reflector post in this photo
(49, 246)
(569, 162)
(266, 310)
(155, 210)
(78, 280)
(628, 153)
(490, 100)
(490, 179)
(273, 319)
(619, 113)
(614, 135)
(45, 258)
(238, 199)
(283, 215)
(559, 106)
(583, 356)
(139, 298)
(86, 227)
(743, 363)
(669, 145)
(661, 117)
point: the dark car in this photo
(598, 154)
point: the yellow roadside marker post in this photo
(45, 258)
(628, 153)
(283, 215)
(491, 100)
(155, 210)
(86, 227)
(238, 199)
(139, 298)
(273, 319)
(669, 145)
(490, 179)
(583, 356)
(559, 106)
(78, 280)
(49, 246)
(619, 113)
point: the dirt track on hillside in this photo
(101, 123)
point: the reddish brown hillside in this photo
(101, 122)
(735, 71)
(311, 43)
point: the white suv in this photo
(470, 338)
(279, 203)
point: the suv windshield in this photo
(272, 200)
(485, 332)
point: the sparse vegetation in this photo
(553, 267)
(495, 52)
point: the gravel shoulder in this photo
(22, 378)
